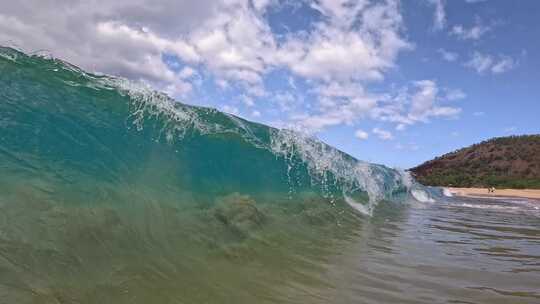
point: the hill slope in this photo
(504, 162)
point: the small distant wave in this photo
(494, 207)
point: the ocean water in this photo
(113, 193)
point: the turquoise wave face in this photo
(108, 186)
(66, 132)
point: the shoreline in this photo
(499, 193)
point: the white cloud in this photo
(439, 18)
(338, 103)
(424, 102)
(359, 42)
(187, 72)
(448, 56)
(234, 44)
(504, 64)
(473, 33)
(383, 134)
(484, 63)
(479, 113)
(129, 38)
(480, 62)
(423, 99)
(143, 37)
(91, 35)
(361, 134)
(261, 5)
(413, 104)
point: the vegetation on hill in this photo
(503, 162)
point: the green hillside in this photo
(503, 162)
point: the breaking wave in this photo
(110, 180)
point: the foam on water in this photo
(501, 204)
(447, 192)
(422, 196)
(365, 210)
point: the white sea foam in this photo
(353, 175)
(359, 207)
(422, 196)
(447, 192)
(492, 207)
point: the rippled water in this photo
(454, 251)
(459, 251)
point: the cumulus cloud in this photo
(361, 134)
(416, 103)
(339, 103)
(126, 38)
(485, 63)
(425, 102)
(358, 42)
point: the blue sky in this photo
(392, 82)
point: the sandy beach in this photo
(523, 193)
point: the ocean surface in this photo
(111, 192)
